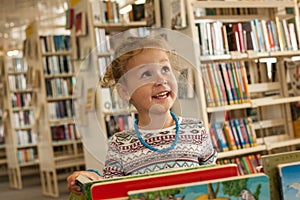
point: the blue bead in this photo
(153, 148)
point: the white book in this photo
(292, 31)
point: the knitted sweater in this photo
(128, 156)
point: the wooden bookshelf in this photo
(95, 46)
(268, 98)
(52, 79)
(3, 114)
(20, 137)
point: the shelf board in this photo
(17, 109)
(242, 4)
(279, 141)
(23, 128)
(17, 73)
(61, 75)
(58, 53)
(62, 143)
(263, 87)
(2, 146)
(21, 90)
(228, 18)
(27, 164)
(274, 100)
(228, 107)
(68, 157)
(267, 123)
(242, 151)
(235, 55)
(119, 27)
(23, 146)
(105, 54)
(69, 163)
(62, 121)
(49, 99)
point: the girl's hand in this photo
(73, 187)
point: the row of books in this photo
(217, 38)
(225, 83)
(60, 87)
(20, 100)
(105, 11)
(55, 43)
(64, 132)
(26, 155)
(23, 118)
(17, 65)
(248, 164)
(116, 123)
(112, 101)
(57, 65)
(200, 12)
(233, 134)
(103, 64)
(25, 137)
(102, 40)
(60, 109)
(17, 82)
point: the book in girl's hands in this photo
(289, 180)
(103, 189)
(250, 187)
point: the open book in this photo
(250, 187)
(106, 188)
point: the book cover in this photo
(270, 163)
(249, 187)
(289, 180)
(80, 24)
(102, 189)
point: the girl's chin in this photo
(159, 109)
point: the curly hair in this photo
(128, 49)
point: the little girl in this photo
(142, 73)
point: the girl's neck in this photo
(152, 121)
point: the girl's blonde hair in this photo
(128, 49)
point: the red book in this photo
(119, 188)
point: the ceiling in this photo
(15, 15)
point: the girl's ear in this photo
(123, 92)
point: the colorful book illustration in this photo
(270, 163)
(251, 187)
(289, 179)
(106, 189)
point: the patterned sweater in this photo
(128, 156)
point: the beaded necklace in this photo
(153, 148)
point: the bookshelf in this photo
(20, 137)
(52, 74)
(93, 54)
(227, 37)
(3, 114)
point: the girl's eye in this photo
(165, 69)
(146, 74)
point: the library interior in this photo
(237, 91)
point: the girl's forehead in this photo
(148, 56)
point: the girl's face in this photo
(150, 82)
